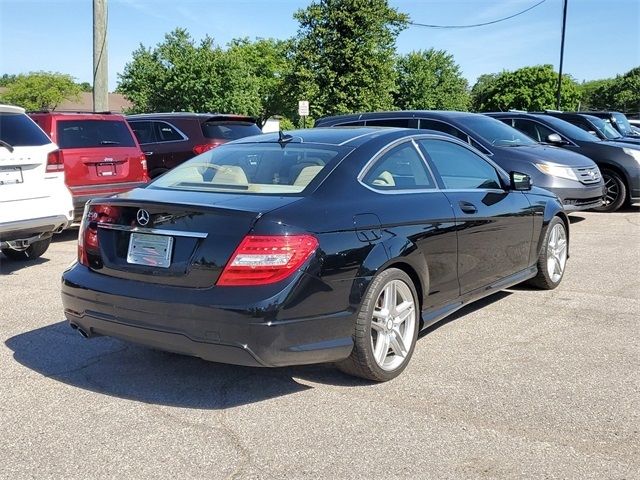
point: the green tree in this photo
(430, 80)
(528, 88)
(266, 64)
(342, 57)
(40, 90)
(178, 75)
(6, 79)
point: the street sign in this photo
(303, 108)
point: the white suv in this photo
(34, 201)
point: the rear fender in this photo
(396, 252)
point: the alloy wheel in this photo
(393, 325)
(612, 190)
(556, 252)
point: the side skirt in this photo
(434, 315)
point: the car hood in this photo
(547, 153)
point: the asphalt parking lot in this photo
(525, 384)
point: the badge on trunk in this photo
(142, 216)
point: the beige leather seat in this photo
(306, 175)
(385, 179)
(230, 175)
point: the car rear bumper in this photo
(184, 321)
(33, 227)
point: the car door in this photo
(494, 224)
(410, 206)
(144, 131)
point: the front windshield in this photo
(569, 130)
(252, 168)
(605, 127)
(623, 124)
(495, 132)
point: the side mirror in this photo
(520, 182)
(593, 132)
(555, 138)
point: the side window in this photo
(401, 168)
(459, 167)
(167, 133)
(443, 127)
(143, 132)
(393, 122)
(359, 123)
(535, 130)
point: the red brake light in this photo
(264, 259)
(55, 162)
(145, 170)
(88, 234)
(198, 149)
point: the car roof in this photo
(80, 115)
(336, 136)
(445, 114)
(191, 115)
(11, 109)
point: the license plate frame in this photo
(11, 175)
(150, 250)
(106, 169)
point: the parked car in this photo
(599, 127)
(618, 120)
(168, 139)
(619, 162)
(574, 178)
(323, 245)
(35, 203)
(100, 153)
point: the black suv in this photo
(618, 120)
(168, 139)
(619, 162)
(574, 178)
(600, 127)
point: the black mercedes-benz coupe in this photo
(320, 245)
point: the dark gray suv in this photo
(575, 179)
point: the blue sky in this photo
(603, 36)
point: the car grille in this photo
(588, 175)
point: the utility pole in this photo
(564, 26)
(100, 63)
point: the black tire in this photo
(615, 191)
(543, 279)
(361, 362)
(35, 250)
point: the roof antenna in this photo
(283, 138)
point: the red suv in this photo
(100, 153)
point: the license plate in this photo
(106, 169)
(10, 175)
(150, 250)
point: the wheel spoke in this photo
(557, 268)
(382, 348)
(377, 324)
(390, 298)
(397, 343)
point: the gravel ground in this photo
(525, 384)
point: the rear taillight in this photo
(264, 259)
(145, 170)
(198, 149)
(55, 162)
(88, 243)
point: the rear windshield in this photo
(18, 130)
(229, 130)
(258, 168)
(94, 133)
(496, 132)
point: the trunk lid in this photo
(199, 232)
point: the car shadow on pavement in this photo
(111, 367)
(7, 266)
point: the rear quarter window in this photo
(93, 134)
(18, 130)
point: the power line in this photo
(416, 24)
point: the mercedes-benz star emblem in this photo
(142, 216)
